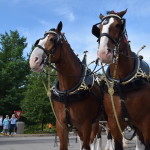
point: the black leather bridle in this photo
(52, 52)
(96, 32)
(56, 40)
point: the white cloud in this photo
(44, 22)
(66, 13)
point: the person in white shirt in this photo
(13, 124)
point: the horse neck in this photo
(125, 64)
(69, 67)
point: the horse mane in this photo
(52, 29)
(71, 50)
(110, 12)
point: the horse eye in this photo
(52, 39)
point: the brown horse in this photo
(76, 103)
(130, 75)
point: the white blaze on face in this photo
(103, 53)
(37, 56)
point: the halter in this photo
(57, 38)
(57, 41)
(96, 32)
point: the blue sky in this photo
(33, 17)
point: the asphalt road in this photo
(43, 143)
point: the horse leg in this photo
(80, 139)
(125, 143)
(63, 136)
(99, 141)
(147, 142)
(86, 131)
(95, 137)
(139, 141)
(109, 144)
(146, 135)
(116, 135)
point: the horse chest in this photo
(108, 104)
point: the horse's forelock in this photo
(52, 29)
(110, 12)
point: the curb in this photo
(38, 135)
(27, 135)
(31, 135)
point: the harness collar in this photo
(85, 83)
(141, 69)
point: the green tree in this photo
(13, 71)
(36, 105)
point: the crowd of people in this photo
(7, 126)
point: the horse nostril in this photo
(109, 50)
(36, 59)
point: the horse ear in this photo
(101, 16)
(122, 13)
(59, 27)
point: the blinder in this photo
(36, 43)
(56, 41)
(96, 29)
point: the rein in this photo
(48, 90)
(111, 93)
(92, 72)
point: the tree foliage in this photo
(36, 105)
(13, 71)
(21, 89)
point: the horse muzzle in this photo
(105, 56)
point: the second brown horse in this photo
(130, 75)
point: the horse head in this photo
(110, 33)
(43, 47)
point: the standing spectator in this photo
(5, 124)
(13, 124)
(1, 123)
